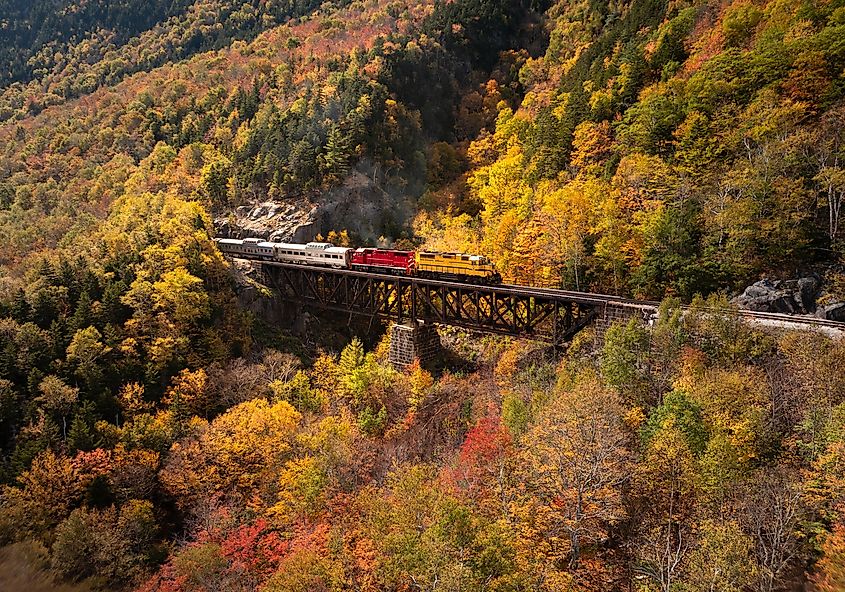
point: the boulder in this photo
(784, 302)
(223, 228)
(832, 312)
(759, 290)
(786, 296)
(766, 296)
(257, 212)
(808, 291)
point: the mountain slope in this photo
(158, 433)
(668, 148)
(62, 50)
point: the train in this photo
(461, 267)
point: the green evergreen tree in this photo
(82, 316)
(112, 310)
(21, 310)
(82, 435)
(335, 158)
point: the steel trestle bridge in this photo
(553, 316)
(542, 314)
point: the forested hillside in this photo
(61, 49)
(157, 434)
(665, 148)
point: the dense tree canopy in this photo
(155, 434)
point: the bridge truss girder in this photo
(504, 310)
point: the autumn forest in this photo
(161, 432)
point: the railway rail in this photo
(545, 314)
(744, 313)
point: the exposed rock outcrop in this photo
(359, 205)
(787, 296)
(832, 312)
(253, 295)
(802, 296)
(294, 220)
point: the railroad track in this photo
(586, 298)
(791, 318)
(750, 314)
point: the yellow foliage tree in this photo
(666, 480)
(239, 454)
(188, 395)
(733, 403)
(573, 465)
(420, 383)
(569, 216)
(131, 400)
(44, 496)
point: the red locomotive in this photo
(384, 261)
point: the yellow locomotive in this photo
(463, 267)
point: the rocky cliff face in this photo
(288, 221)
(805, 295)
(360, 206)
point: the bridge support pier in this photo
(412, 341)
